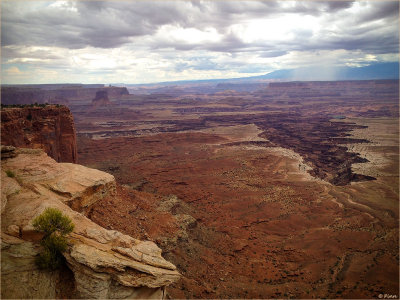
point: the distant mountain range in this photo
(376, 71)
(320, 73)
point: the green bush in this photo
(10, 173)
(55, 227)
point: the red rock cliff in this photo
(50, 128)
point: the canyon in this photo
(267, 190)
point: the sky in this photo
(144, 41)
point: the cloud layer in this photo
(149, 41)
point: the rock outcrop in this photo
(50, 128)
(101, 98)
(100, 263)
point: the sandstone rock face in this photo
(20, 277)
(105, 263)
(50, 128)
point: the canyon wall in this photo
(350, 90)
(100, 263)
(50, 128)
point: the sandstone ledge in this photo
(105, 263)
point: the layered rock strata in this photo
(104, 263)
(50, 128)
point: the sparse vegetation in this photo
(55, 227)
(10, 173)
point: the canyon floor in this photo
(283, 192)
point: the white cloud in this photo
(64, 5)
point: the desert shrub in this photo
(51, 257)
(55, 227)
(10, 173)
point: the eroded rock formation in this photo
(50, 128)
(101, 98)
(104, 263)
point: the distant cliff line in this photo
(61, 94)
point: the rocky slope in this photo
(100, 263)
(50, 128)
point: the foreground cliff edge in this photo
(100, 263)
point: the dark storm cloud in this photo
(374, 30)
(338, 5)
(230, 43)
(111, 24)
(90, 23)
(273, 53)
(354, 31)
(382, 10)
(373, 44)
(268, 8)
(246, 7)
(317, 8)
(45, 27)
